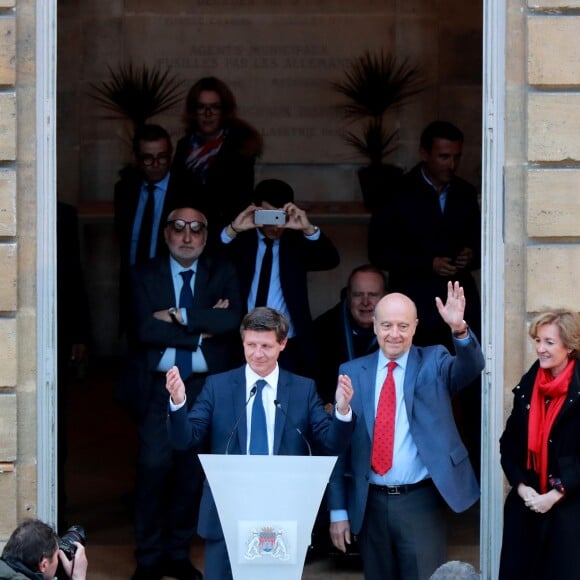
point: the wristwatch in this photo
(464, 330)
(173, 313)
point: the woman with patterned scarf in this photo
(540, 455)
(214, 162)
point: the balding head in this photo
(395, 323)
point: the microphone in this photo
(279, 407)
(252, 393)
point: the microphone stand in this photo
(293, 424)
(252, 393)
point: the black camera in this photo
(67, 541)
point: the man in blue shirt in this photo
(143, 197)
(295, 248)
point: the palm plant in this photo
(138, 93)
(374, 84)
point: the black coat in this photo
(228, 185)
(542, 546)
(152, 290)
(337, 344)
(410, 231)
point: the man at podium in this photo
(258, 408)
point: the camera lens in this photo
(67, 540)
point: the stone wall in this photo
(553, 152)
(17, 263)
(553, 216)
(542, 170)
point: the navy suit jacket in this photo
(432, 377)
(418, 232)
(298, 256)
(222, 403)
(152, 290)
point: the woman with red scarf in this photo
(540, 456)
(214, 161)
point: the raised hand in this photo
(244, 220)
(344, 393)
(175, 386)
(297, 219)
(454, 308)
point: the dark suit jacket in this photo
(152, 290)
(298, 256)
(537, 546)
(223, 401)
(127, 191)
(336, 343)
(410, 231)
(432, 377)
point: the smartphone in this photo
(270, 217)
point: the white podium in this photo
(267, 505)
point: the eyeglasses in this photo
(208, 108)
(365, 295)
(178, 226)
(148, 159)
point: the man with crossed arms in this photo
(406, 458)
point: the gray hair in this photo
(455, 570)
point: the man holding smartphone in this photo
(273, 251)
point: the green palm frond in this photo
(138, 93)
(376, 82)
(375, 143)
(373, 84)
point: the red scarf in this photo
(548, 396)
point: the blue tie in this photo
(182, 355)
(259, 431)
(146, 231)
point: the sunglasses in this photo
(161, 159)
(179, 226)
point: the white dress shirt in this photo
(198, 362)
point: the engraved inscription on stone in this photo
(279, 67)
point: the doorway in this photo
(492, 291)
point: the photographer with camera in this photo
(34, 551)
(274, 245)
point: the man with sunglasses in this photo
(143, 196)
(186, 310)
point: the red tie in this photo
(384, 438)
